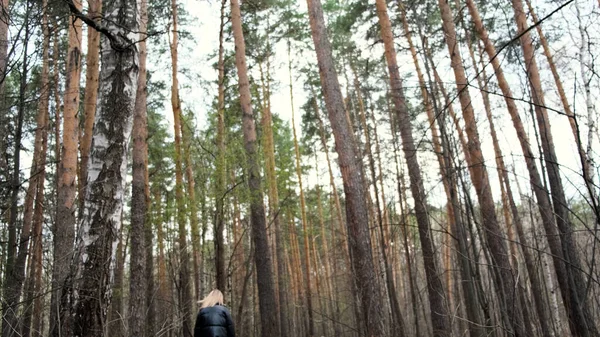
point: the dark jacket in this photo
(214, 322)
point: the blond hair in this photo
(213, 298)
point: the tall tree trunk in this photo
(580, 319)
(475, 320)
(509, 202)
(64, 226)
(163, 302)
(337, 206)
(138, 279)
(101, 222)
(151, 289)
(16, 256)
(4, 116)
(543, 199)
(115, 325)
(501, 270)
(185, 304)
(586, 67)
(266, 288)
(4, 20)
(91, 95)
(36, 189)
(397, 318)
(56, 93)
(437, 298)
(586, 168)
(354, 186)
(221, 173)
(274, 208)
(305, 225)
(187, 134)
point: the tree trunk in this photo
(475, 320)
(274, 208)
(580, 319)
(586, 168)
(163, 303)
(354, 185)
(305, 225)
(266, 288)
(64, 226)
(138, 280)
(101, 222)
(16, 256)
(543, 199)
(185, 304)
(193, 208)
(221, 173)
(115, 320)
(36, 190)
(437, 299)
(501, 270)
(4, 20)
(90, 96)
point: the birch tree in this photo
(100, 225)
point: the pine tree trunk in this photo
(266, 287)
(354, 186)
(586, 169)
(14, 273)
(138, 280)
(580, 319)
(101, 223)
(274, 208)
(193, 208)
(501, 270)
(305, 225)
(90, 97)
(437, 300)
(184, 291)
(543, 199)
(4, 116)
(221, 174)
(64, 226)
(4, 20)
(455, 222)
(163, 303)
(36, 190)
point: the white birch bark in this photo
(586, 78)
(100, 225)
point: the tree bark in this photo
(4, 20)
(101, 223)
(35, 189)
(14, 273)
(441, 147)
(274, 207)
(437, 299)
(501, 270)
(138, 280)
(580, 319)
(354, 186)
(262, 256)
(221, 173)
(64, 226)
(185, 298)
(586, 169)
(90, 96)
(304, 219)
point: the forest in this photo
(335, 167)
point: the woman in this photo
(213, 320)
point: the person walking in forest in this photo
(214, 319)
